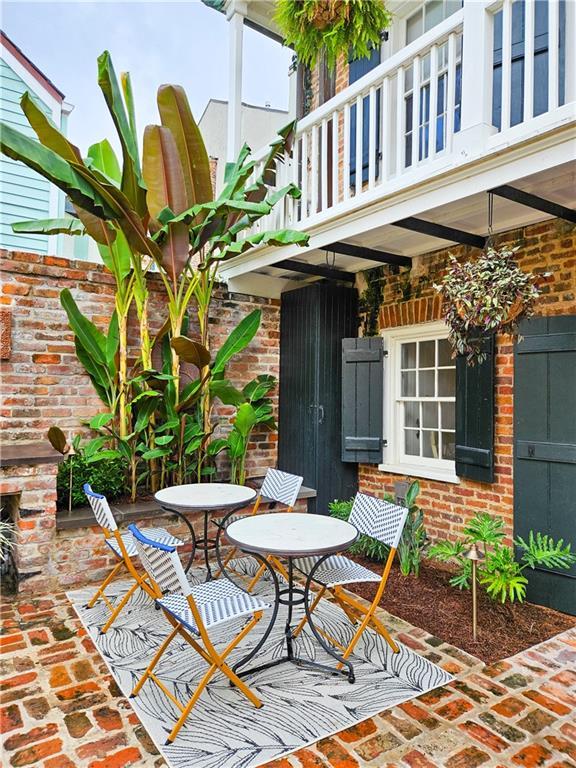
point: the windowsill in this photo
(412, 470)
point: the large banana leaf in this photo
(128, 219)
(54, 168)
(92, 339)
(165, 181)
(47, 132)
(104, 158)
(176, 115)
(279, 237)
(163, 172)
(191, 351)
(238, 340)
(129, 100)
(50, 227)
(132, 184)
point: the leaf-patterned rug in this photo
(224, 730)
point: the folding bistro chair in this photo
(192, 611)
(123, 547)
(279, 487)
(383, 521)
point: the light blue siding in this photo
(24, 194)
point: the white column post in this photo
(235, 14)
(476, 110)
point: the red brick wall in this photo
(43, 383)
(545, 247)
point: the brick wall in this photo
(409, 299)
(43, 383)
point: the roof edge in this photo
(29, 65)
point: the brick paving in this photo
(60, 708)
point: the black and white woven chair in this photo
(278, 488)
(381, 520)
(193, 611)
(124, 548)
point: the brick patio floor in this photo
(60, 707)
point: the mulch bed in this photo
(429, 602)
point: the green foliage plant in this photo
(486, 295)
(108, 476)
(501, 573)
(414, 540)
(332, 28)
(155, 211)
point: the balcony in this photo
(483, 100)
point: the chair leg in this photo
(155, 660)
(188, 708)
(118, 608)
(104, 584)
(277, 565)
(381, 629)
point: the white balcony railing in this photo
(459, 89)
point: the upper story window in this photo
(429, 15)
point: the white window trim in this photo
(433, 469)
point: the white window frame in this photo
(394, 460)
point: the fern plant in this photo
(501, 573)
(331, 28)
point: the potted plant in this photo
(331, 27)
(487, 295)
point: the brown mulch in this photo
(429, 602)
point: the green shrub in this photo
(107, 477)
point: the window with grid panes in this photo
(421, 384)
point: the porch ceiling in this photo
(469, 215)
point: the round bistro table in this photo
(292, 535)
(208, 497)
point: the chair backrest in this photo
(281, 487)
(161, 563)
(379, 519)
(101, 509)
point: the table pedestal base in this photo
(296, 596)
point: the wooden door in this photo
(545, 447)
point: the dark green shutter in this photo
(475, 417)
(362, 400)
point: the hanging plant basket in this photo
(487, 295)
(331, 28)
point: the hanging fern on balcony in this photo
(333, 27)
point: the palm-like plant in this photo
(155, 210)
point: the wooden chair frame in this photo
(358, 613)
(206, 649)
(140, 580)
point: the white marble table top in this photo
(292, 534)
(204, 496)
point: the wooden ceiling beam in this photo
(440, 231)
(533, 201)
(369, 254)
(318, 270)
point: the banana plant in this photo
(156, 210)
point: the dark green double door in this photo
(545, 447)
(313, 322)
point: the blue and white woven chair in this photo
(381, 520)
(278, 488)
(192, 611)
(124, 548)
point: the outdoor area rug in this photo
(224, 730)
